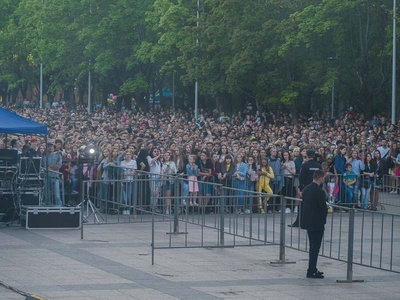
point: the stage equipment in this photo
(87, 155)
(8, 157)
(41, 217)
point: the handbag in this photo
(254, 176)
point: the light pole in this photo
(336, 58)
(89, 108)
(394, 65)
(41, 73)
(196, 84)
(173, 92)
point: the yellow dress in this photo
(263, 182)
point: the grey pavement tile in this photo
(147, 293)
(114, 262)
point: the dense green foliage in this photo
(274, 53)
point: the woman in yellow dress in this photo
(265, 174)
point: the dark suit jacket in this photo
(315, 210)
(306, 173)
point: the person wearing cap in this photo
(305, 178)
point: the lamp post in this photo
(89, 108)
(336, 59)
(394, 65)
(196, 84)
(41, 75)
(173, 92)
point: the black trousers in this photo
(315, 239)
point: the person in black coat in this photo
(313, 220)
(305, 178)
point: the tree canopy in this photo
(273, 53)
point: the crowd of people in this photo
(248, 150)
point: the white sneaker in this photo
(191, 203)
(392, 192)
(296, 210)
(183, 202)
(247, 211)
(195, 204)
(288, 210)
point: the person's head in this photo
(310, 154)
(154, 152)
(58, 144)
(303, 152)
(214, 157)
(192, 158)
(264, 162)
(377, 155)
(228, 159)
(318, 176)
(128, 155)
(333, 179)
(286, 155)
(251, 160)
(50, 148)
(349, 167)
(167, 156)
(368, 158)
(273, 152)
(203, 155)
(239, 158)
(342, 150)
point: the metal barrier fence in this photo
(111, 196)
(223, 216)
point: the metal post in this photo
(333, 98)
(89, 93)
(135, 195)
(173, 92)
(41, 86)
(82, 206)
(394, 65)
(152, 230)
(222, 220)
(196, 88)
(176, 206)
(282, 236)
(350, 251)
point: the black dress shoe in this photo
(315, 275)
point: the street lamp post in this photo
(173, 92)
(335, 58)
(394, 65)
(196, 84)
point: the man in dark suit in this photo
(305, 178)
(313, 220)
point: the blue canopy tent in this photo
(13, 123)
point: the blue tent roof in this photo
(13, 123)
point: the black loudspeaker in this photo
(7, 208)
(6, 202)
(30, 197)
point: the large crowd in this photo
(250, 149)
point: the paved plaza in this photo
(114, 262)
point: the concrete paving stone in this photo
(147, 293)
(115, 261)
